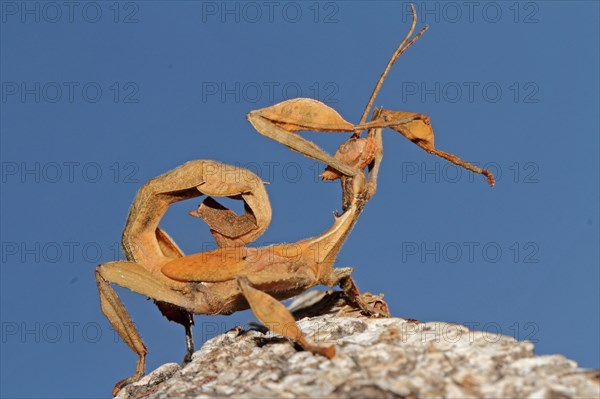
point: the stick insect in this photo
(215, 282)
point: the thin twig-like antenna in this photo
(401, 49)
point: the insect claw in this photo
(490, 178)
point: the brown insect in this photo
(237, 277)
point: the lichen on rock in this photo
(376, 358)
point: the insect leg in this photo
(275, 316)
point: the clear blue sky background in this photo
(513, 86)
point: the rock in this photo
(376, 358)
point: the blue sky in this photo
(99, 97)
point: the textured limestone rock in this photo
(376, 358)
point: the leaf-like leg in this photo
(277, 318)
(117, 315)
(280, 121)
(420, 132)
(349, 287)
(342, 277)
(155, 286)
(138, 279)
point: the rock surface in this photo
(376, 358)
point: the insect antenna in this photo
(399, 51)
